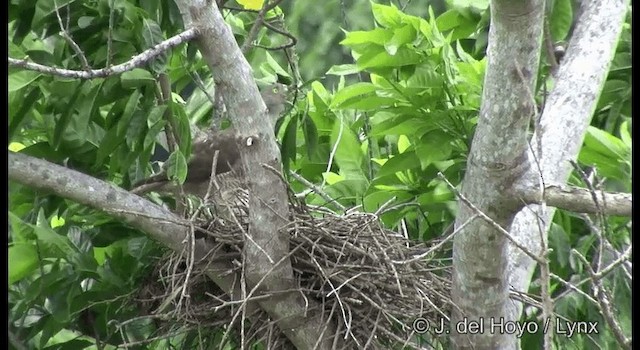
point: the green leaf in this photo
(80, 239)
(274, 67)
(66, 117)
(377, 36)
(53, 325)
(560, 243)
(402, 162)
(613, 91)
(87, 108)
(609, 154)
(371, 103)
(17, 115)
(605, 143)
(374, 200)
(343, 69)
(135, 132)
(129, 110)
(289, 145)
(387, 123)
(401, 36)
(625, 134)
(56, 245)
(448, 20)
(348, 153)
(153, 132)
(182, 128)
(23, 260)
(177, 167)
(152, 35)
(561, 19)
(374, 57)
(109, 143)
(355, 91)
(434, 146)
(22, 78)
(621, 62)
(425, 76)
(351, 190)
(387, 16)
(310, 136)
(477, 5)
(85, 21)
(136, 78)
(156, 115)
(403, 143)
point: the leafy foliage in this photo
(374, 132)
(388, 137)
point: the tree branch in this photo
(580, 200)
(267, 247)
(563, 123)
(159, 223)
(136, 61)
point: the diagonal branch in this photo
(159, 223)
(253, 32)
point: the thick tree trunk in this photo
(501, 164)
(499, 156)
(267, 264)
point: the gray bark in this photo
(497, 159)
(267, 264)
(563, 124)
(159, 223)
(501, 165)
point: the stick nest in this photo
(371, 281)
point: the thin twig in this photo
(67, 37)
(253, 32)
(317, 190)
(490, 221)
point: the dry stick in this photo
(599, 213)
(253, 32)
(573, 287)
(110, 32)
(171, 134)
(67, 37)
(212, 179)
(292, 39)
(333, 151)
(247, 297)
(547, 301)
(439, 245)
(549, 47)
(600, 292)
(317, 190)
(597, 276)
(490, 221)
(604, 304)
(136, 61)
(545, 272)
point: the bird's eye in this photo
(275, 90)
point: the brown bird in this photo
(232, 190)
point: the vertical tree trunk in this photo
(499, 156)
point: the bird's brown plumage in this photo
(229, 172)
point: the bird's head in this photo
(275, 98)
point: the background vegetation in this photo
(389, 96)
